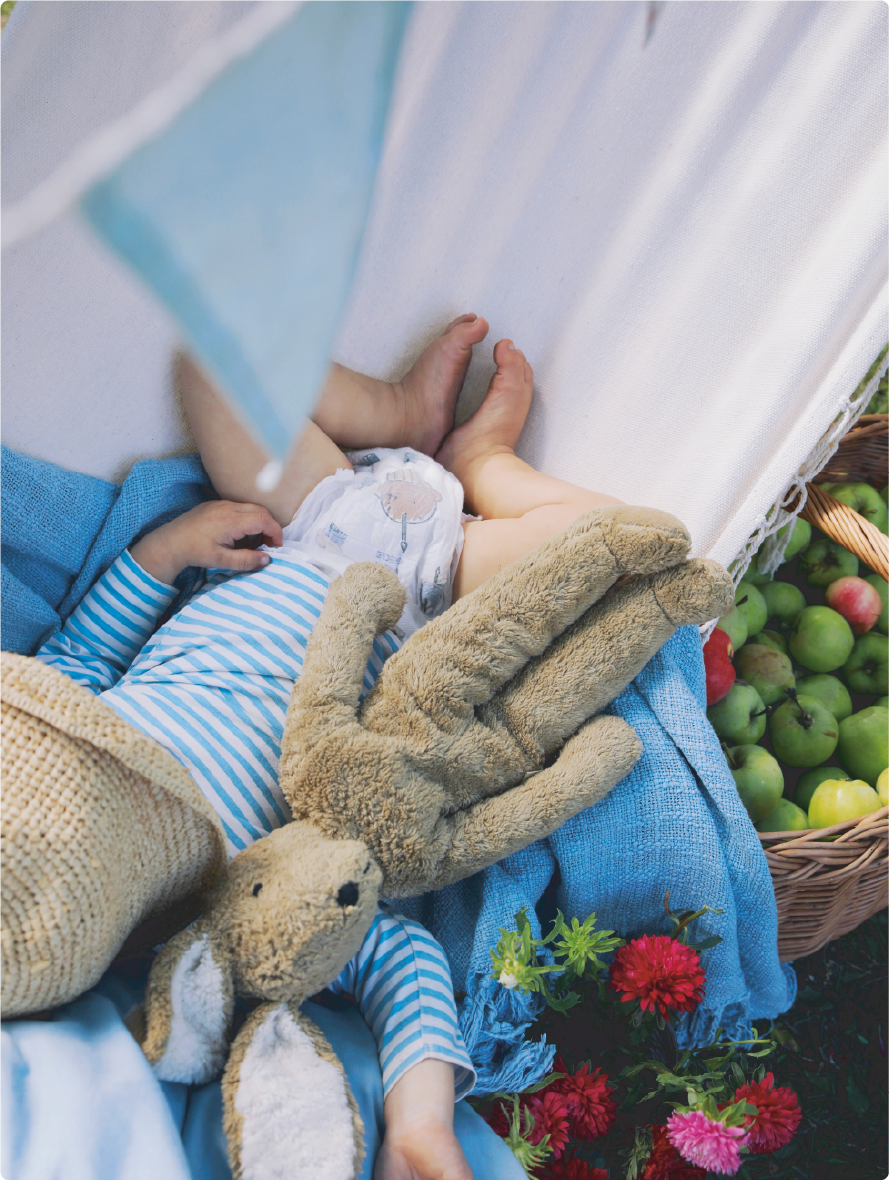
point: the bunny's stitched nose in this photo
(348, 894)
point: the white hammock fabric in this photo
(678, 212)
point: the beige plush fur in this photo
(233, 1119)
(440, 771)
(276, 929)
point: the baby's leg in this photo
(522, 507)
(353, 411)
(233, 459)
(417, 411)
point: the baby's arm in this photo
(420, 1143)
(206, 537)
(120, 612)
(401, 982)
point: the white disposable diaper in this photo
(396, 507)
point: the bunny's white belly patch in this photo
(297, 1123)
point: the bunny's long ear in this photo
(188, 1007)
(288, 1110)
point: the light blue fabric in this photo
(676, 822)
(62, 530)
(79, 1101)
(245, 216)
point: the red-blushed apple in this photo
(718, 667)
(857, 601)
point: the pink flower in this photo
(707, 1143)
(588, 1095)
(658, 970)
(777, 1114)
(664, 1162)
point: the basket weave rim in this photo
(848, 830)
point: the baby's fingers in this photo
(243, 560)
(250, 520)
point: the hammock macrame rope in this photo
(791, 504)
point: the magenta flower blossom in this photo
(704, 1142)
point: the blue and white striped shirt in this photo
(212, 685)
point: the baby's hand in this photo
(206, 537)
(420, 1143)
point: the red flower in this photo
(550, 1111)
(658, 970)
(573, 1169)
(665, 1162)
(588, 1095)
(777, 1118)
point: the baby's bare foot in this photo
(430, 390)
(497, 423)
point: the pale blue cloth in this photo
(80, 1102)
(676, 822)
(246, 215)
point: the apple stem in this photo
(726, 749)
(805, 719)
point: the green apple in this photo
(820, 639)
(882, 588)
(769, 671)
(803, 732)
(867, 668)
(752, 606)
(864, 499)
(884, 493)
(883, 786)
(758, 778)
(824, 561)
(740, 717)
(884, 701)
(786, 817)
(773, 639)
(836, 802)
(754, 574)
(807, 783)
(864, 743)
(783, 601)
(830, 691)
(735, 626)
(800, 537)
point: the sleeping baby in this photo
(212, 683)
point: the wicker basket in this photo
(827, 888)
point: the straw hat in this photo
(102, 827)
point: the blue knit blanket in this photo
(62, 530)
(675, 823)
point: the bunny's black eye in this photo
(257, 887)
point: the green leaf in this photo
(859, 1101)
(739, 1073)
(547, 1081)
(713, 940)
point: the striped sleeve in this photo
(110, 626)
(402, 984)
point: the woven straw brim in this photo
(102, 827)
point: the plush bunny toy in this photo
(292, 910)
(447, 766)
